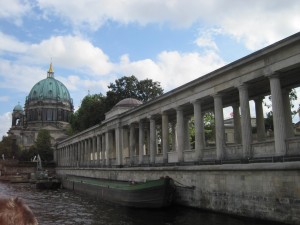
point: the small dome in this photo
(18, 108)
(129, 102)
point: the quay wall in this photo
(269, 191)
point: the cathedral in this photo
(47, 106)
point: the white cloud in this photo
(263, 23)
(11, 44)
(14, 10)
(4, 98)
(5, 121)
(172, 69)
(18, 76)
(76, 54)
(256, 23)
(70, 52)
(206, 39)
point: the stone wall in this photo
(268, 191)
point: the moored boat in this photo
(48, 184)
(19, 179)
(42, 180)
(146, 194)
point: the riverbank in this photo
(61, 206)
(269, 191)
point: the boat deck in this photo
(116, 184)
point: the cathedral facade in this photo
(47, 106)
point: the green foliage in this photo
(28, 154)
(269, 119)
(91, 112)
(9, 148)
(43, 145)
(292, 97)
(209, 126)
(93, 107)
(131, 87)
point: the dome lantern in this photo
(50, 73)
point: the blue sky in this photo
(93, 42)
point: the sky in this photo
(91, 43)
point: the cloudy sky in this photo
(93, 42)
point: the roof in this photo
(49, 88)
(18, 108)
(129, 102)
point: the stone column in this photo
(79, 153)
(82, 153)
(70, 155)
(89, 151)
(288, 115)
(103, 149)
(173, 136)
(76, 155)
(84, 148)
(107, 148)
(119, 146)
(165, 136)
(94, 150)
(236, 123)
(260, 120)
(141, 141)
(187, 144)
(219, 124)
(125, 145)
(152, 140)
(199, 130)
(278, 115)
(180, 133)
(63, 156)
(98, 149)
(132, 143)
(245, 121)
(148, 140)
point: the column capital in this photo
(270, 73)
(217, 95)
(151, 117)
(197, 101)
(242, 86)
(179, 108)
(164, 112)
(258, 98)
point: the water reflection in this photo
(65, 207)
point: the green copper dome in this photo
(18, 107)
(49, 88)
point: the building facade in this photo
(247, 175)
(130, 137)
(47, 106)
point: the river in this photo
(62, 207)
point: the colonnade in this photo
(164, 137)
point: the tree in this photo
(269, 119)
(43, 145)
(131, 87)
(91, 112)
(9, 147)
(93, 107)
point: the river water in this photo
(62, 207)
